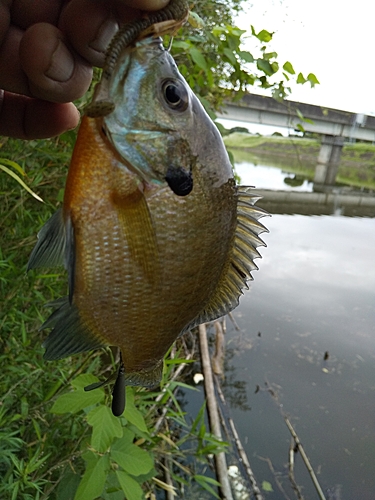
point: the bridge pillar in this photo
(328, 159)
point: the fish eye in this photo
(175, 94)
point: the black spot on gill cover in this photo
(179, 180)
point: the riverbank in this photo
(299, 155)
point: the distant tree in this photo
(241, 130)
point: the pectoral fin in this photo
(136, 223)
(240, 260)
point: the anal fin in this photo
(69, 334)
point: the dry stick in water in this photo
(275, 476)
(298, 444)
(291, 471)
(256, 491)
(167, 475)
(242, 453)
(217, 360)
(236, 327)
(213, 414)
(304, 458)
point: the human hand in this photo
(47, 50)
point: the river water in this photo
(307, 332)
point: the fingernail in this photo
(62, 64)
(104, 35)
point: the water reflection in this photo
(289, 193)
(269, 177)
(314, 294)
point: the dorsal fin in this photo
(240, 261)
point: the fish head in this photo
(158, 126)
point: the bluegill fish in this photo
(154, 233)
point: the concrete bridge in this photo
(334, 125)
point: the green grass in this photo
(242, 140)
(34, 445)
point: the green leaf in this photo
(246, 56)
(269, 55)
(181, 44)
(204, 480)
(198, 58)
(266, 486)
(230, 55)
(93, 480)
(106, 427)
(265, 66)
(300, 127)
(289, 68)
(126, 439)
(299, 114)
(132, 414)
(264, 36)
(68, 485)
(77, 400)
(133, 459)
(312, 79)
(196, 21)
(218, 30)
(11, 163)
(129, 486)
(301, 78)
(83, 380)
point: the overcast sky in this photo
(334, 39)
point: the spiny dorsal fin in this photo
(240, 260)
(69, 334)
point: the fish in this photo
(154, 233)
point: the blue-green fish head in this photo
(158, 126)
